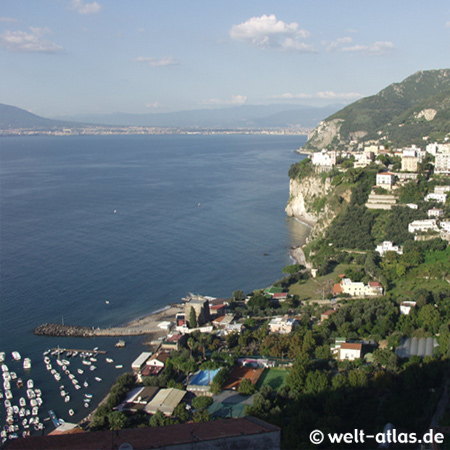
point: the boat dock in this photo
(62, 350)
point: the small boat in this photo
(6, 385)
(95, 349)
(13, 375)
(86, 405)
(19, 383)
(47, 352)
(119, 366)
(30, 393)
(86, 384)
(4, 368)
(71, 412)
(39, 401)
(8, 395)
(93, 359)
(59, 362)
(16, 356)
(65, 362)
(22, 402)
(27, 363)
(98, 379)
(2, 356)
(47, 360)
(107, 302)
(80, 371)
(75, 353)
(30, 384)
(57, 376)
(34, 411)
(67, 398)
(87, 363)
(55, 420)
(33, 402)
(63, 393)
(109, 360)
(38, 392)
(120, 343)
(92, 368)
(74, 381)
(77, 386)
(71, 376)
(88, 396)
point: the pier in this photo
(62, 350)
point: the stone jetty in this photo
(54, 329)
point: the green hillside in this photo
(400, 114)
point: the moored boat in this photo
(16, 356)
(27, 363)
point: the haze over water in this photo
(139, 221)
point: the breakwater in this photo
(54, 329)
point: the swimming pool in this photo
(203, 377)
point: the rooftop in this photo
(147, 438)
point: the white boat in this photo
(47, 352)
(6, 376)
(74, 381)
(30, 384)
(67, 398)
(93, 359)
(63, 393)
(38, 392)
(22, 402)
(77, 386)
(98, 379)
(119, 366)
(71, 412)
(8, 395)
(27, 363)
(80, 371)
(39, 401)
(85, 362)
(2, 356)
(57, 376)
(75, 353)
(35, 411)
(33, 402)
(92, 368)
(47, 360)
(16, 356)
(71, 376)
(86, 384)
(53, 371)
(65, 362)
(86, 405)
(30, 393)
(59, 362)
(6, 385)
(13, 375)
(88, 396)
(109, 360)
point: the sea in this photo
(101, 230)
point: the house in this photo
(445, 225)
(217, 310)
(324, 158)
(442, 163)
(405, 307)
(441, 189)
(166, 400)
(282, 325)
(140, 361)
(435, 212)
(223, 321)
(385, 180)
(138, 398)
(174, 342)
(357, 289)
(423, 225)
(159, 359)
(388, 246)
(433, 196)
(410, 163)
(350, 352)
(280, 296)
(326, 315)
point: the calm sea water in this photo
(139, 221)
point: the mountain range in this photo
(401, 114)
(244, 116)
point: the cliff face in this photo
(311, 200)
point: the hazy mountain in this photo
(401, 114)
(246, 116)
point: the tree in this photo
(117, 420)
(192, 318)
(298, 373)
(293, 269)
(158, 419)
(246, 387)
(181, 412)
(316, 382)
(202, 402)
(238, 295)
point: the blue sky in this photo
(139, 56)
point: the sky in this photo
(67, 57)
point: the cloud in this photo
(235, 100)
(447, 24)
(158, 62)
(153, 105)
(34, 42)
(327, 95)
(7, 19)
(375, 49)
(85, 8)
(268, 32)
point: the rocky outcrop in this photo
(427, 114)
(324, 134)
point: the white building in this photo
(405, 307)
(385, 179)
(445, 225)
(423, 225)
(441, 198)
(442, 163)
(282, 325)
(140, 361)
(412, 206)
(388, 246)
(324, 158)
(350, 351)
(435, 212)
(441, 189)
